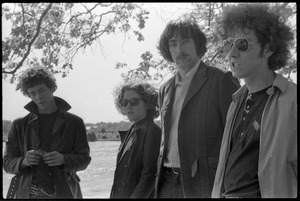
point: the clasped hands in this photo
(33, 157)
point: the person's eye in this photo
(187, 40)
(134, 102)
(124, 103)
(242, 44)
(172, 44)
(41, 90)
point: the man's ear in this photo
(267, 52)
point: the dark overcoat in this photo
(68, 138)
(136, 167)
(200, 127)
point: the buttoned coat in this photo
(136, 166)
(68, 138)
(200, 127)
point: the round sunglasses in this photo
(241, 44)
(133, 102)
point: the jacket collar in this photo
(141, 123)
(196, 83)
(125, 136)
(189, 76)
(280, 83)
(61, 104)
(136, 126)
(200, 71)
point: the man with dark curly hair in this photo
(48, 146)
(136, 160)
(258, 156)
(193, 106)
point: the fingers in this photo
(53, 158)
(32, 157)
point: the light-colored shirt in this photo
(181, 84)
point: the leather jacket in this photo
(68, 138)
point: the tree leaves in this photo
(52, 34)
(205, 15)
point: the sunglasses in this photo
(241, 44)
(133, 102)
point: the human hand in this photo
(32, 157)
(53, 158)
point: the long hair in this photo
(186, 28)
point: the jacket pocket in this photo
(194, 168)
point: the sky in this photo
(88, 88)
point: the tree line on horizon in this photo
(95, 131)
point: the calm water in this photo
(96, 180)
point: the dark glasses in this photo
(133, 102)
(241, 44)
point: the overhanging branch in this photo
(19, 65)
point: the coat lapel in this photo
(124, 138)
(129, 143)
(168, 95)
(31, 136)
(196, 83)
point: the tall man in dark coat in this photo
(48, 146)
(193, 106)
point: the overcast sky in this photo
(88, 88)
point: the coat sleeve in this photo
(145, 186)
(227, 86)
(80, 158)
(13, 152)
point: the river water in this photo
(96, 180)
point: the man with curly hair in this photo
(193, 106)
(48, 146)
(258, 156)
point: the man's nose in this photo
(38, 96)
(179, 48)
(233, 52)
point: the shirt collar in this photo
(279, 83)
(188, 76)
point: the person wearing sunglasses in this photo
(193, 106)
(137, 156)
(258, 156)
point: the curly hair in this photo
(145, 90)
(186, 28)
(34, 76)
(267, 24)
